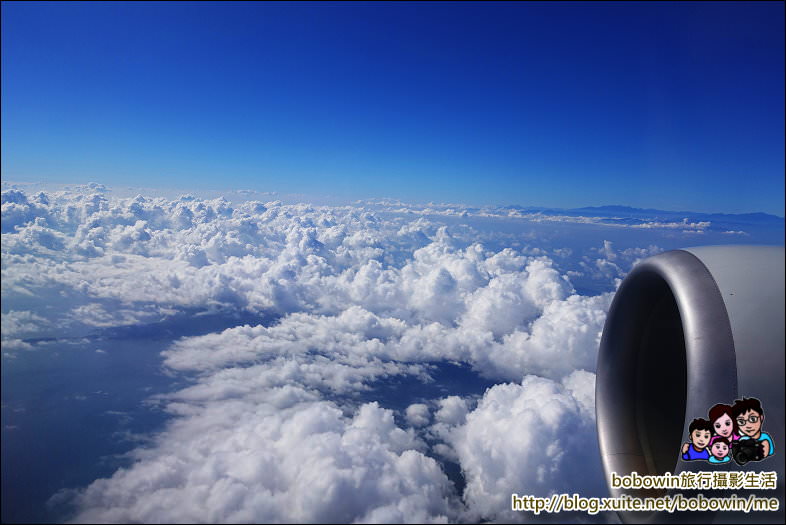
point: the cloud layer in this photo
(275, 426)
(285, 458)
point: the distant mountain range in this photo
(718, 219)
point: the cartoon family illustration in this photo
(732, 432)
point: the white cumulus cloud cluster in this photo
(275, 426)
(279, 457)
(536, 434)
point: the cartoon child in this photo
(723, 424)
(700, 434)
(719, 450)
(750, 416)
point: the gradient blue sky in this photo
(667, 105)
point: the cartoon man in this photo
(700, 434)
(750, 416)
(719, 450)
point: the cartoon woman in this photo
(723, 424)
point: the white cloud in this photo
(452, 410)
(15, 323)
(536, 438)
(613, 264)
(418, 414)
(272, 427)
(18, 324)
(15, 344)
(563, 338)
(141, 259)
(288, 458)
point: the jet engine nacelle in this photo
(689, 329)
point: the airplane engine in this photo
(689, 329)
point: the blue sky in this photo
(674, 106)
